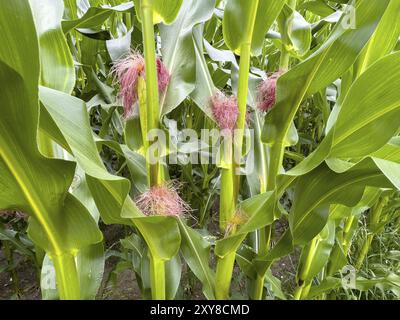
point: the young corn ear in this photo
(127, 72)
(267, 92)
(225, 110)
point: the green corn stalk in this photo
(374, 221)
(303, 288)
(152, 97)
(230, 180)
(157, 266)
(268, 182)
(227, 211)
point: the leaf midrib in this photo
(31, 198)
(362, 124)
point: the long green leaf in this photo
(367, 119)
(322, 187)
(179, 53)
(371, 109)
(57, 67)
(240, 25)
(319, 70)
(384, 38)
(196, 252)
(163, 10)
(95, 17)
(29, 181)
(205, 87)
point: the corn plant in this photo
(201, 127)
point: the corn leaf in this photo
(164, 11)
(29, 181)
(384, 38)
(95, 17)
(179, 53)
(367, 119)
(248, 21)
(320, 69)
(196, 252)
(321, 253)
(315, 191)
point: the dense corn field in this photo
(200, 149)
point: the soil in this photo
(26, 272)
(285, 268)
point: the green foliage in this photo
(324, 189)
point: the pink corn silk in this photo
(162, 200)
(225, 110)
(127, 71)
(267, 92)
(163, 76)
